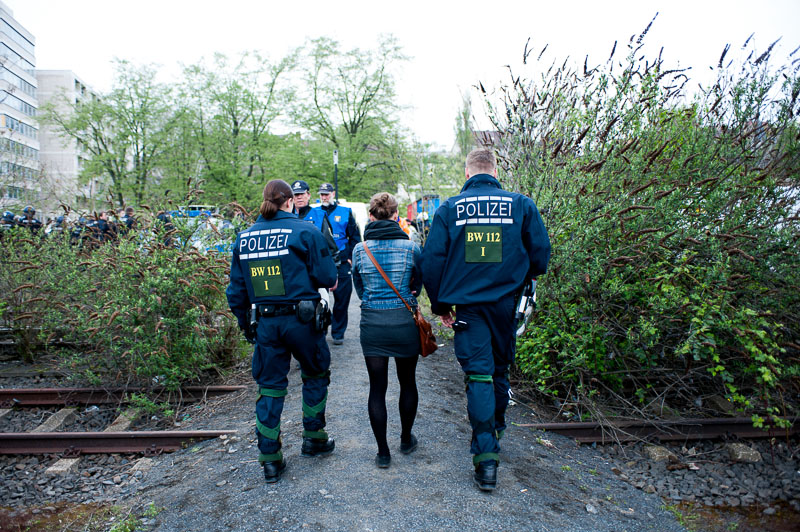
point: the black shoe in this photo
(486, 475)
(383, 461)
(273, 470)
(410, 447)
(315, 447)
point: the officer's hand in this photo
(251, 337)
(448, 320)
(332, 288)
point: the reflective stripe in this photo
(478, 458)
(272, 434)
(274, 457)
(313, 411)
(271, 392)
(499, 434)
(322, 375)
(478, 378)
(316, 434)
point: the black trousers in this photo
(341, 301)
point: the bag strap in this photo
(385, 278)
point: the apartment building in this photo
(61, 159)
(19, 130)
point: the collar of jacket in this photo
(481, 180)
(384, 230)
(280, 215)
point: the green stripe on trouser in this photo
(272, 434)
(271, 392)
(478, 458)
(314, 411)
(274, 457)
(477, 378)
(315, 434)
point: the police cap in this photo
(326, 188)
(299, 186)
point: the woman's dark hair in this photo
(383, 206)
(276, 193)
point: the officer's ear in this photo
(466, 172)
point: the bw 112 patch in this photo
(483, 244)
(266, 277)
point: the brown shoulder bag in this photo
(427, 341)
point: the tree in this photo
(347, 99)
(230, 108)
(465, 140)
(124, 132)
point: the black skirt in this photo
(389, 333)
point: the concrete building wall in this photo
(61, 159)
(20, 182)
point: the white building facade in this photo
(60, 157)
(20, 169)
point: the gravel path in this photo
(544, 484)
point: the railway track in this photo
(22, 397)
(75, 444)
(679, 430)
(116, 438)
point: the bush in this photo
(674, 225)
(134, 310)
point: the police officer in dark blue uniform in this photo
(7, 222)
(346, 234)
(484, 245)
(277, 269)
(29, 219)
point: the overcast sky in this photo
(451, 45)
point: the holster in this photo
(306, 311)
(322, 317)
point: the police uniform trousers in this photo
(341, 300)
(277, 339)
(485, 350)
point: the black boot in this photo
(486, 475)
(315, 447)
(273, 470)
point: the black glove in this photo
(250, 336)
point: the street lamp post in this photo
(336, 173)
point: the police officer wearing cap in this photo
(29, 219)
(302, 208)
(278, 267)
(346, 234)
(483, 246)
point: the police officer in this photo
(56, 229)
(278, 266)
(346, 234)
(29, 219)
(127, 221)
(484, 245)
(301, 198)
(7, 222)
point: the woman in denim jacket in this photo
(387, 327)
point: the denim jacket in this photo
(400, 260)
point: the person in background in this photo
(484, 245)
(29, 219)
(388, 329)
(346, 234)
(301, 198)
(278, 267)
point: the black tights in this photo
(378, 369)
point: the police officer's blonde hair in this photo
(383, 206)
(275, 195)
(481, 161)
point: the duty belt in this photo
(267, 311)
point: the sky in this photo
(451, 45)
